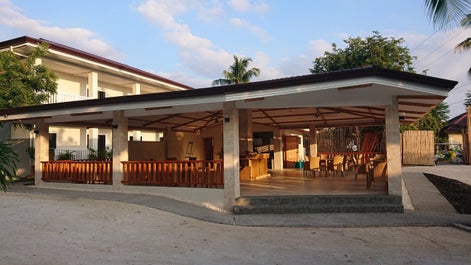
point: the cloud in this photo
(197, 53)
(247, 5)
(11, 16)
(257, 31)
(319, 47)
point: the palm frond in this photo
(8, 160)
(464, 45)
(447, 13)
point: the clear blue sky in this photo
(192, 41)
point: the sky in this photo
(193, 41)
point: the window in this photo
(52, 141)
(101, 94)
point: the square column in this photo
(393, 148)
(136, 89)
(41, 150)
(278, 150)
(93, 85)
(245, 131)
(231, 155)
(120, 147)
(312, 140)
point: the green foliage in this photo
(8, 160)
(375, 50)
(66, 155)
(237, 73)
(434, 121)
(22, 82)
(31, 152)
(94, 155)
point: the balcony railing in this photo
(64, 97)
(201, 173)
(77, 153)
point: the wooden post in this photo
(468, 126)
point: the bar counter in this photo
(254, 166)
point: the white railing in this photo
(64, 97)
(77, 153)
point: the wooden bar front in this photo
(254, 166)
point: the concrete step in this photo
(318, 204)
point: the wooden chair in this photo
(337, 165)
(323, 163)
(314, 165)
(379, 172)
(306, 169)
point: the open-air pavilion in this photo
(228, 115)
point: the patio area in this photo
(294, 182)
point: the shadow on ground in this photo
(456, 192)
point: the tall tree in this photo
(22, 83)
(237, 73)
(375, 50)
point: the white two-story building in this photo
(83, 76)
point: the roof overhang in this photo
(74, 62)
(345, 98)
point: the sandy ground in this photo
(43, 229)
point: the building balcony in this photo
(64, 97)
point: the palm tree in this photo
(466, 44)
(237, 73)
(445, 13)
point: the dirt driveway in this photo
(46, 229)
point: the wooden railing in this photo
(200, 173)
(89, 172)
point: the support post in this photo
(93, 93)
(278, 150)
(245, 131)
(312, 140)
(231, 155)
(41, 150)
(393, 148)
(120, 147)
(468, 133)
(136, 90)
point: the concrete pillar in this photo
(136, 89)
(93, 138)
(278, 149)
(93, 85)
(245, 131)
(312, 140)
(41, 150)
(231, 155)
(120, 147)
(393, 148)
(93, 93)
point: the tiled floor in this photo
(293, 182)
